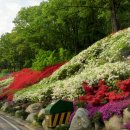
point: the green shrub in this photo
(97, 117)
(21, 114)
(4, 72)
(10, 110)
(72, 69)
(39, 120)
(128, 107)
(1, 104)
(46, 58)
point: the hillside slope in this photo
(107, 59)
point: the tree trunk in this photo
(114, 17)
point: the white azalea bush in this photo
(69, 88)
(107, 59)
(4, 83)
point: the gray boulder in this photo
(114, 123)
(126, 116)
(33, 108)
(80, 120)
(44, 125)
(31, 117)
(41, 113)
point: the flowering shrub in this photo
(3, 78)
(109, 72)
(112, 108)
(127, 126)
(25, 78)
(105, 111)
(107, 59)
(6, 82)
(101, 93)
(124, 85)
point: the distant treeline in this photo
(56, 30)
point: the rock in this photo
(80, 120)
(114, 123)
(44, 125)
(31, 117)
(17, 107)
(126, 116)
(97, 126)
(41, 113)
(35, 123)
(33, 108)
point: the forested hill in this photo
(56, 30)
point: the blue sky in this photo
(8, 11)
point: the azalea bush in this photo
(104, 112)
(109, 109)
(25, 78)
(113, 108)
(6, 82)
(107, 59)
(110, 72)
(101, 93)
(127, 126)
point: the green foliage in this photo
(72, 69)
(43, 59)
(66, 82)
(39, 120)
(4, 72)
(1, 104)
(6, 82)
(80, 104)
(97, 117)
(21, 114)
(128, 107)
(47, 58)
(10, 110)
(70, 24)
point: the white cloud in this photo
(8, 11)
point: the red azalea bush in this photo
(124, 85)
(101, 93)
(25, 78)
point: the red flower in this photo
(87, 88)
(100, 83)
(27, 77)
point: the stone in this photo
(126, 116)
(97, 126)
(31, 117)
(35, 123)
(41, 113)
(17, 107)
(33, 108)
(80, 120)
(114, 123)
(44, 125)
